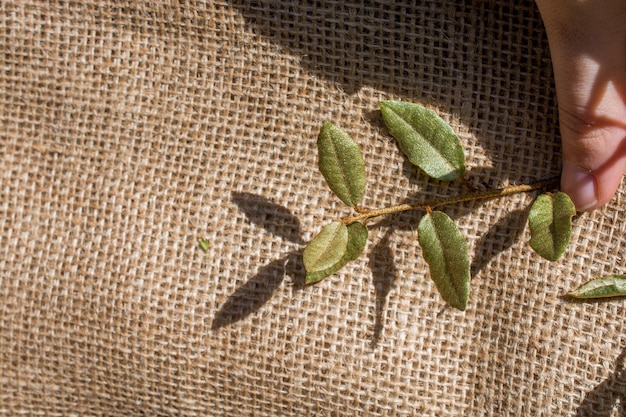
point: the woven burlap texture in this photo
(129, 130)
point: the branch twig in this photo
(364, 214)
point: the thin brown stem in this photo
(365, 214)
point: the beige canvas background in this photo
(128, 130)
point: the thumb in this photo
(588, 48)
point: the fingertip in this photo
(581, 186)
(590, 190)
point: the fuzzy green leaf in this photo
(445, 251)
(609, 286)
(357, 238)
(327, 248)
(550, 222)
(341, 163)
(428, 141)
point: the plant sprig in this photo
(430, 144)
(365, 214)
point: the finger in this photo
(588, 48)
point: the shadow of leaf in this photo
(271, 216)
(252, 295)
(501, 236)
(381, 263)
(257, 291)
(609, 396)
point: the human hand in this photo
(588, 48)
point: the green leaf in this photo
(550, 222)
(357, 238)
(428, 141)
(204, 244)
(445, 251)
(341, 163)
(327, 248)
(609, 286)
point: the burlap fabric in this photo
(131, 129)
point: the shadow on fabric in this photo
(609, 397)
(445, 53)
(260, 288)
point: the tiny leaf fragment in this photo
(204, 245)
(425, 138)
(445, 251)
(357, 238)
(605, 287)
(341, 163)
(550, 222)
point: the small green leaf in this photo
(609, 286)
(445, 251)
(204, 244)
(428, 141)
(357, 238)
(341, 163)
(550, 222)
(327, 248)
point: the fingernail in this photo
(580, 185)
